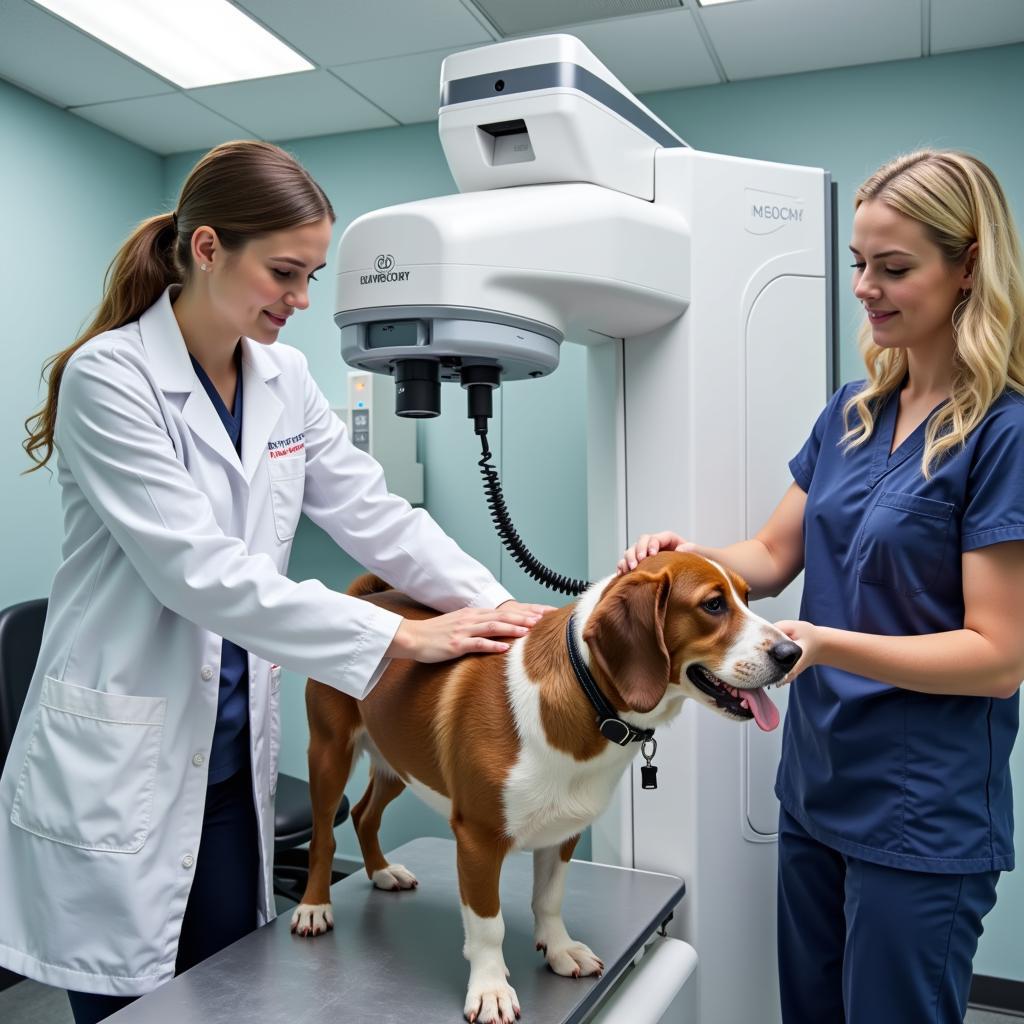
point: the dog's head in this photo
(679, 624)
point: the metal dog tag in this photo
(648, 772)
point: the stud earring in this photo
(203, 266)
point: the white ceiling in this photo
(378, 61)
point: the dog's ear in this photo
(626, 637)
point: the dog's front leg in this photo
(565, 956)
(490, 999)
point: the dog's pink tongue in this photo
(765, 713)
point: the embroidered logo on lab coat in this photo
(287, 446)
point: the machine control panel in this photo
(375, 429)
(361, 429)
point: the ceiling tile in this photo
(655, 51)
(532, 17)
(164, 124)
(651, 51)
(48, 57)
(960, 26)
(343, 31)
(408, 88)
(293, 106)
(756, 39)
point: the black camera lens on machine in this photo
(417, 388)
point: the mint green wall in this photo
(70, 192)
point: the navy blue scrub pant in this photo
(860, 943)
(222, 902)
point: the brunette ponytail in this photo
(243, 190)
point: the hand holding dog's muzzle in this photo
(806, 635)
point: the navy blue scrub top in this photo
(905, 779)
(230, 746)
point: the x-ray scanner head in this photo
(501, 277)
(558, 237)
(534, 111)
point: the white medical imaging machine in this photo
(702, 285)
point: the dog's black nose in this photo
(785, 654)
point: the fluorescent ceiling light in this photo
(190, 42)
(712, 3)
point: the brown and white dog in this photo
(506, 746)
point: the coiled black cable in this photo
(510, 537)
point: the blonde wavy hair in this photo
(958, 201)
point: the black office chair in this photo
(293, 828)
(21, 631)
(17, 662)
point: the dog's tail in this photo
(367, 584)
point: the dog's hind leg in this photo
(334, 724)
(383, 788)
(564, 956)
(490, 999)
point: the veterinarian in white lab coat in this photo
(136, 832)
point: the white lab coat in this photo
(171, 543)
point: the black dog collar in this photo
(612, 727)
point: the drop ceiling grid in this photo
(293, 106)
(757, 40)
(956, 25)
(331, 32)
(379, 62)
(77, 69)
(171, 123)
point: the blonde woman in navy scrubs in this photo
(907, 517)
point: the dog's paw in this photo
(312, 919)
(490, 999)
(393, 877)
(573, 960)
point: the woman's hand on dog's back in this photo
(466, 631)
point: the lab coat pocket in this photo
(275, 724)
(287, 481)
(90, 768)
(904, 542)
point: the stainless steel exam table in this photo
(398, 956)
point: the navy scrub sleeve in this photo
(898, 778)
